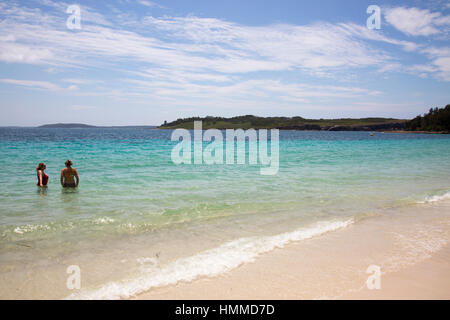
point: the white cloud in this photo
(437, 51)
(375, 35)
(237, 93)
(22, 53)
(81, 81)
(237, 48)
(192, 43)
(390, 67)
(32, 84)
(81, 107)
(415, 21)
(149, 4)
(443, 64)
(440, 61)
(38, 84)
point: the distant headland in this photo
(435, 121)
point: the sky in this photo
(140, 62)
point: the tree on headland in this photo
(437, 119)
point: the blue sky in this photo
(142, 62)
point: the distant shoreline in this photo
(437, 120)
(424, 132)
(371, 124)
(163, 128)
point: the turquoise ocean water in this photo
(135, 210)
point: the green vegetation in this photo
(437, 120)
(285, 123)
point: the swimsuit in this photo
(44, 179)
(69, 185)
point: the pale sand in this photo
(429, 279)
(411, 247)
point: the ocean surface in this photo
(139, 221)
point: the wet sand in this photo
(410, 245)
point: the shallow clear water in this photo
(130, 189)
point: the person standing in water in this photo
(69, 175)
(41, 175)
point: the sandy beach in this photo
(411, 248)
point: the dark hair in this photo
(68, 163)
(40, 166)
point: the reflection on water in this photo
(42, 191)
(70, 200)
(69, 190)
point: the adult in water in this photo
(41, 175)
(69, 175)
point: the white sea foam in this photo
(420, 242)
(30, 228)
(104, 220)
(436, 198)
(208, 263)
